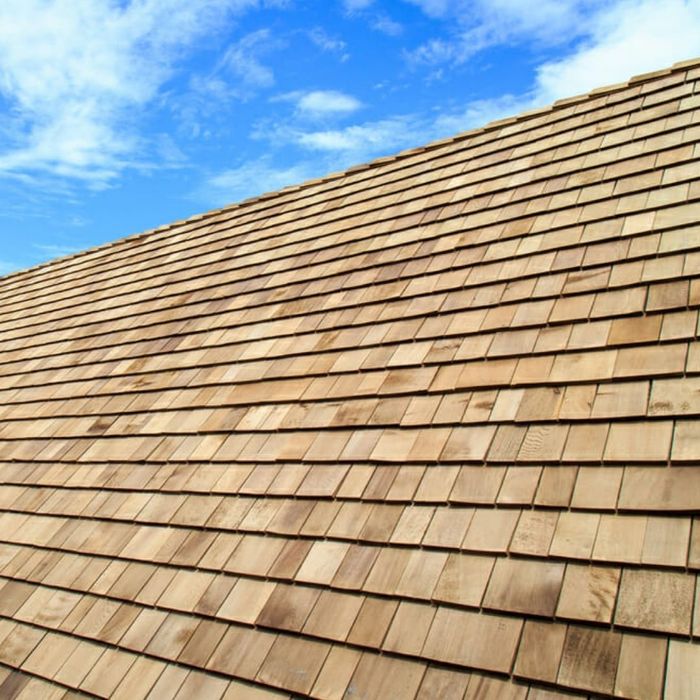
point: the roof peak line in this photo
(489, 126)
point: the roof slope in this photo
(427, 428)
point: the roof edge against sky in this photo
(377, 162)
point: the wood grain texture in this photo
(427, 428)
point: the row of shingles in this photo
(674, 327)
(325, 344)
(665, 490)
(478, 406)
(602, 489)
(650, 395)
(396, 641)
(617, 538)
(343, 668)
(390, 444)
(625, 488)
(417, 574)
(556, 403)
(432, 157)
(641, 274)
(19, 685)
(576, 368)
(539, 442)
(92, 669)
(102, 616)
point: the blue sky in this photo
(119, 116)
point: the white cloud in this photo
(474, 25)
(76, 73)
(610, 42)
(244, 59)
(379, 21)
(326, 42)
(368, 138)
(625, 39)
(322, 102)
(612, 39)
(386, 25)
(480, 112)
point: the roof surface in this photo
(427, 428)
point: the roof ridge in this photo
(376, 162)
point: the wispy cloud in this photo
(325, 102)
(324, 41)
(378, 20)
(363, 139)
(238, 76)
(253, 178)
(76, 74)
(244, 59)
(475, 25)
(624, 39)
(609, 39)
(386, 25)
(609, 42)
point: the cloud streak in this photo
(624, 39)
(244, 59)
(323, 102)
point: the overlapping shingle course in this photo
(427, 429)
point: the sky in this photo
(117, 116)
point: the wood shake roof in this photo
(424, 429)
